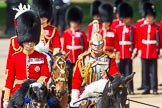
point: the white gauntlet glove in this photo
(74, 98)
(5, 104)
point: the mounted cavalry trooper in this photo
(49, 43)
(49, 38)
(126, 37)
(74, 39)
(149, 48)
(27, 63)
(92, 65)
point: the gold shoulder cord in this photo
(86, 70)
(13, 46)
(54, 29)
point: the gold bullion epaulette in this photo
(110, 55)
(84, 54)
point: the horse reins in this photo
(143, 103)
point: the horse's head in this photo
(37, 94)
(59, 73)
(115, 91)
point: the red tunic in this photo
(52, 34)
(161, 34)
(147, 41)
(115, 23)
(125, 42)
(77, 78)
(22, 67)
(90, 25)
(75, 42)
(109, 39)
(13, 47)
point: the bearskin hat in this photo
(94, 8)
(125, 10)
(74, 14)
(28, 27)
(106, 12)
(42, 7)
(116, 4)
(149, 9)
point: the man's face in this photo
(126, 21)
(106, 24)
(97, 49)
(29, 46)
(96, 17)
(74, 24)
(43, 20)
(150, 19)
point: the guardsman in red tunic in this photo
(116, 21)
(160, 36)
(92, 66)
(106, 17)
(149, 48)
(28, 63)
(94, 12)
(138, 24)
(126, 37)
(49, 38)
(74, 40)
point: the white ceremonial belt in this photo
(149, 41)
(125, 43)
(74, 47)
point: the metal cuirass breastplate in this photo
(100, 65)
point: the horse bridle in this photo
(111, 94)
(38, 104)
(62, 71)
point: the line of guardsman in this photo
(108, 42)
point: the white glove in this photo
(160, 55)
(5, 104)
(74, 98)
(134, 54)
(139, 52)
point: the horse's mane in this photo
(18, 97)
(17, 100)
(58, 54)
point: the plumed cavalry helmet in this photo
(27, 25)
(42, 7)
(125, 10)
(96, 38)
(148, 9)
(106, 12)
(94, 8)
(74, 14)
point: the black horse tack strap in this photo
(143, 103)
